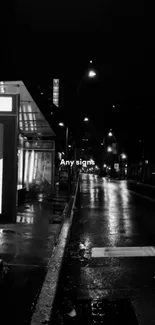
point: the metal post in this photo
(66, 143)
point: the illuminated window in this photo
(26, 168)
(5, 104)
(31, 167)
(20, 162)
(25, 118)
(20, 119)
(29, 109)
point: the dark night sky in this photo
(46, 38)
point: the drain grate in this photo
(97, 312)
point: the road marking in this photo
(122, 251)
(143, 196)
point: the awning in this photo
(31, 120)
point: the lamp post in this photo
(66, 140)
(123, 157)
(109, 148)
(90, 73)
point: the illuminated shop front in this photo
(36, 150)
(27, 148)
(39, 165)
(9, 103)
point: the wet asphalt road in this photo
(109, 215)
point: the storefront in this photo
(27, 149)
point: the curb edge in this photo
(44, 306)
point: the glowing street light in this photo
(91, 73)
(86, 119)
(109, 149)
(110, 134)
(123, 156)
(61, 124)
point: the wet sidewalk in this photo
(25, 249)
(30, 240)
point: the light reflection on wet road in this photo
(109, 216)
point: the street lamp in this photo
(63, 125)
(123, 155)
(109, 149)
(86, 119)
(91, 74)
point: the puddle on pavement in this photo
(7, 231)
(91, 312)
(13, 232)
